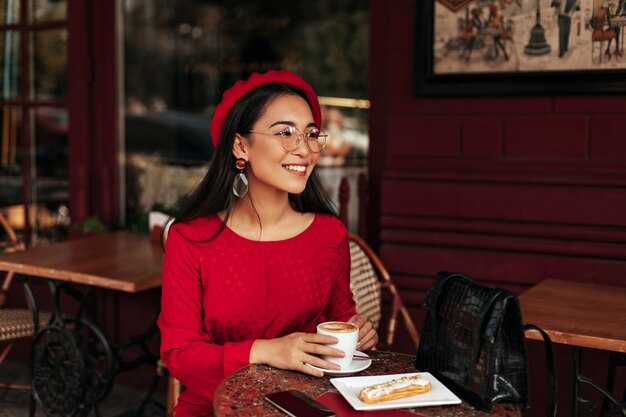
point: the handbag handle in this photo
(550, 366)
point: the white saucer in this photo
(357, 365)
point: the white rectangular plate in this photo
(350, 388)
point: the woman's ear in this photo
(240, 146)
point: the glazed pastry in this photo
(394, 389)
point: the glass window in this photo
(47, 10)
(49, 64)
(11, 157)
(9, 64)
(9, 11)
(34, 148)
(49, 181)
(180, 56)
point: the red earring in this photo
(241, 164)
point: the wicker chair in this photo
(15, 323)
(368, 278)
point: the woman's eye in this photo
(313, 134)
(286, 132)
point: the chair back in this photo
(364, 284)
(366, 267)
(159, 225)
(15, 323)
(8, 243)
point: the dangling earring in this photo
(240, 184)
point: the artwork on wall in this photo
(520, 47)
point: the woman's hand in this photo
(292, 351)
(367, 334)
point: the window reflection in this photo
(10, 157)
(48, 208)
(49, 214)
(180, 56)
(47, 10)
(49, 61)
(34, 160)
(50, 185)
(9, 11)
(9, 64)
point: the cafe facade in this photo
(522, 181)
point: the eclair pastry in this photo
(394, 389)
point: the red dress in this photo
(220, 296)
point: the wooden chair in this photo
(174, 388)
(158, 224)
(368, 278)
(15, 323)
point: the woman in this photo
(256, 258)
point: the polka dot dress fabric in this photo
(218, 297)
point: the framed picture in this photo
(496, 47)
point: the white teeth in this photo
(298, 168)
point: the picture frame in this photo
(447, 65)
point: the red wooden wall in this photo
(510, 190)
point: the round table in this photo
(241, 394)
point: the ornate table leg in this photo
(71, 361)
(73, 364)
(582, 406)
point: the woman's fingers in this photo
(367, 334)
(301, 348)
(321, 339)
(309, 371)
(321, 363)
(358, 320)
(364, 331)
(317, 347)
(369, 340)
(294, 351)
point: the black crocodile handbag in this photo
(473, 341)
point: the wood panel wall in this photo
(510, 190)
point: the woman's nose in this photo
(302, 146)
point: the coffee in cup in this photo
(347, 334)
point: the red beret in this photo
(242, 87)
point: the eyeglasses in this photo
(291, 136)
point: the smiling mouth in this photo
(296, 169)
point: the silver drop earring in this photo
(240, 183)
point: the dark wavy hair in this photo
(214, 193)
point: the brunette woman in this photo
(256, 257)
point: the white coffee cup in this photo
(347, 334)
